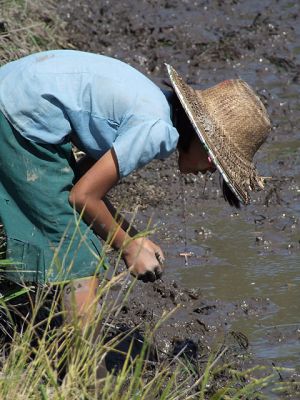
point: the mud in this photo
(209, 41)
(193, 326)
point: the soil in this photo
(207, 42)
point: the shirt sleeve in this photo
(141, 140)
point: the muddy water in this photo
(252, 253)
(251, 262)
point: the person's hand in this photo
(144, 259)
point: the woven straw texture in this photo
(232, 123)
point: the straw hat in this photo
(232, 123)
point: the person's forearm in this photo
(83, 165)
(126, 226)
(87, 196)
(97, 215)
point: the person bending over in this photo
(121, 120)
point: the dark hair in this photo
(183, 125)
(229, 195)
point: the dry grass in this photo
(28, 26)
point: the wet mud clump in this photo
(180, 328)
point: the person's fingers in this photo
(158, 272)
(132, 270)
(159, 250)
(160, 257)
(149, 276)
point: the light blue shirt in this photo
(103, 102)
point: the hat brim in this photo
(246, 173)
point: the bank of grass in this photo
(40, 348)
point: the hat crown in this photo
(233, 105)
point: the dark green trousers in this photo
(47, 241)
